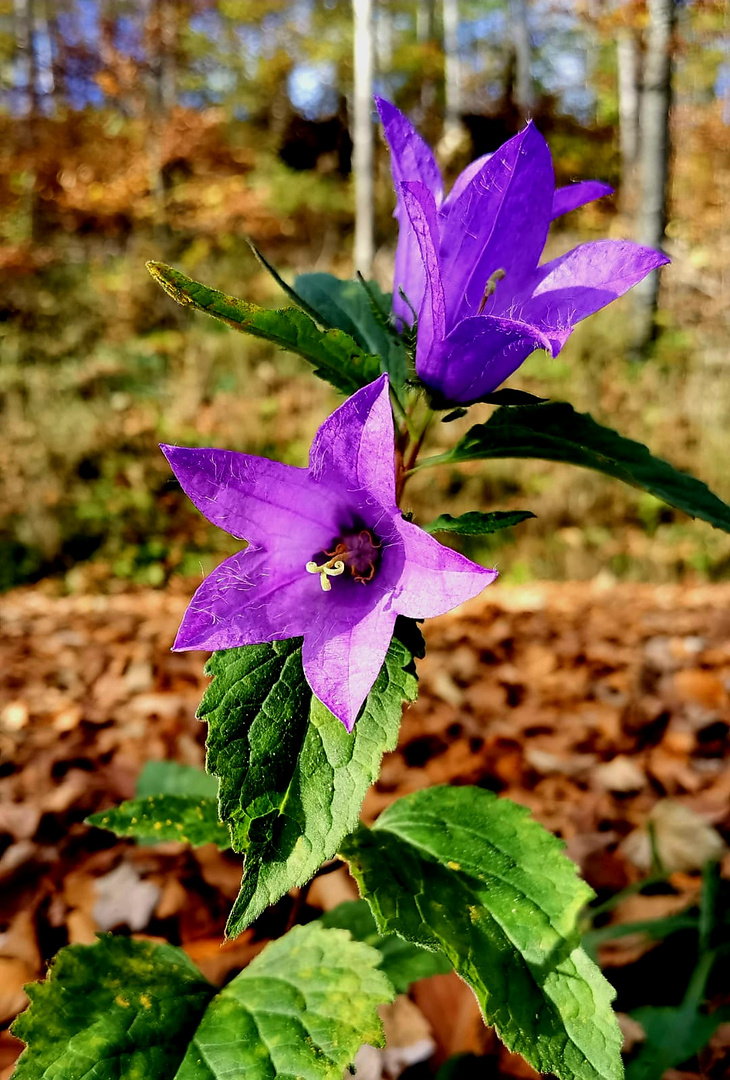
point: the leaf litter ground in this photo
(600, 709)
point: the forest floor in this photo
(602, 709)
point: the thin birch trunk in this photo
(654, 155)
(629, 89)
(520, 33)
(426, 35)
(363, 137)
(452, 70)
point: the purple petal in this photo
(262, 501)
(354, 448)
(463, 180)
(479, 354)
(250, 598)
(343, 661)
(435, 579)
(421, 210)
(410, 159)
(572, 196)
(583, 281)
(499, 221)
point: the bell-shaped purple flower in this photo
(330, 557)
(468, 264)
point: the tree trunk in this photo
(452, 71)
(654, 154)
(363, 137)
(426, 35)
(520, 33)
(629, 89)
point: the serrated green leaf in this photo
(333, 353)
(402, 962)
(191, 819)
(361, 310)
(475, 523)
(292, 780)
(131, 1010)
(461, 871)
(115, 1010)
(172, 778)
(302, 1008)
(556, 432)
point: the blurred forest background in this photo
(175, 129)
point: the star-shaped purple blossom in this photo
(330, 557)
(467, 263)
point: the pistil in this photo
(491, 287)
(333, 568)
(358, 552)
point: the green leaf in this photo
(556, 432)
(115, 1010)
(130, 1010)
(286, 288)
(192, 819)
(292, 780)
(333, 353)
(172, 778)
(455, 414)
(302, 1008)
(674, 1034)
(473, 876)
(478, 524)
(362, 310)
(403, 962)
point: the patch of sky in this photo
(312, 89)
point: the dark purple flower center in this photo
(357, 552)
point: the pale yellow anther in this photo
(333, 568)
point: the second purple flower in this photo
(467, 265)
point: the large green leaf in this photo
(333, 353)
(361, 310)
(131, 1010)
(471, 875)
(475, 523)
(556, 432)
(116, 1010)
(292, 780)
(302, 1008)
(403, 962)
(192, 819)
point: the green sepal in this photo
(133, 1010)
(473, 876)
(475, 523)
(403, 962)
(189, 819)
(334, 355)
(556, 432)
(292, 779)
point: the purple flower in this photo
(330, 557)
(468, 263)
